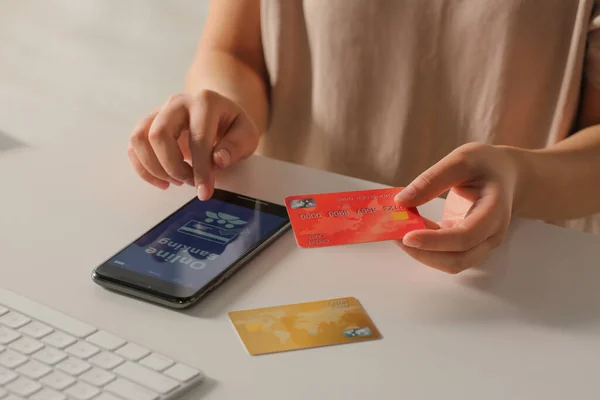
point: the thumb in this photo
(238, 143)
(451, 171)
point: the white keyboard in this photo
(46, 355)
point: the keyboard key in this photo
(130, 391)
(48, 394)
(24, 387)
(50, 356)
(133, 352)
(12, 359)
(34, 369)
(14, 320)
(3, 310)
(73, 366)
(26, 345)
(82, 349)
(181, 372)
(8, 335)
(106, 360)
(82, 391)
(6, 376)
(59, 340)
(106, 340)
(157, 362)
(97, 377)
(57, 380)
(146, 377)
(36, 330)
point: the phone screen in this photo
(196, 244)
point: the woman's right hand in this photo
(188, 137)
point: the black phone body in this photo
(195, 249)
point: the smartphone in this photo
(194, 250)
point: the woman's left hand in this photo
(482, 180)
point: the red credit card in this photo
(332, 219)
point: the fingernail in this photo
(176, 182)
(406, 195)
(411, 242)
(203, 192)
(224, 157)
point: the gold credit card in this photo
(303, 325)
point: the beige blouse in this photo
(383, 89)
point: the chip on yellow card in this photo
(303, 325)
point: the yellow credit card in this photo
(304, 325)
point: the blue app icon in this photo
(215, 227)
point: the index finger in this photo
(453, 170)
(204, 124)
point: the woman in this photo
(497, 100)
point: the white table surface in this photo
(526, 326)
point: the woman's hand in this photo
(190, 135)
(483, 183)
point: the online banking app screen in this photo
(197, 243)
